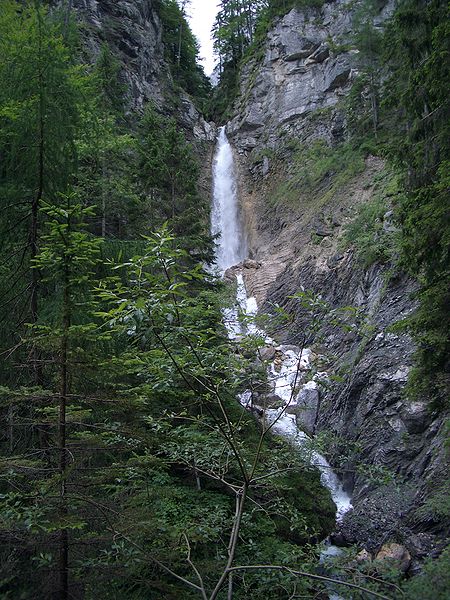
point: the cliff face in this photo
(292, 97)
(307, 65)
(133, 31)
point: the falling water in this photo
(231, 250)
(225, 218)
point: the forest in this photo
(128, 470)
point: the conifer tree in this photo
(39, 91)
(170, 172)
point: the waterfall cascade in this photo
(225, 218)
(232, 250)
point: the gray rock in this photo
(336, 74)
(251, 264)
(271, 401)
(133, 31)
(416, 416)
(307, 406)
(267, 353)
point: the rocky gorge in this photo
(295, 90)
(390, 451)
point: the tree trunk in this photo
(35, 206)
(64, 381)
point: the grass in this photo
(366, 232)
(318, 170)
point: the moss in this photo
(316, 171)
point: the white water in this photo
(231, 250)
(287, 380)
(225, 220)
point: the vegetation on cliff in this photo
(405, 75)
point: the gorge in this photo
(224, 364)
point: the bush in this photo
(434, 582)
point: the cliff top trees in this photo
(181, 49)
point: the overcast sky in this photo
(201, 15)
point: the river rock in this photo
(288, 347)
(271, 401)
(307, 406)
(267, 353)
(395, 553)
(363, 557)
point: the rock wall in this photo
(294, 91)
(307, 65)
(133, 31)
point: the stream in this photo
(284, 372)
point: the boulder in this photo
(363, 557)
(267, 353)
(395, 553)
(271, 401)
(307, 406)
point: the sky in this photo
(201, 15)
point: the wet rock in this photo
(363, 557)
(267, 353)
(395, 553)
(307, 406)
(288, 348)
(271, 401)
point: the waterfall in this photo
(231, 250)
(225, 218)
